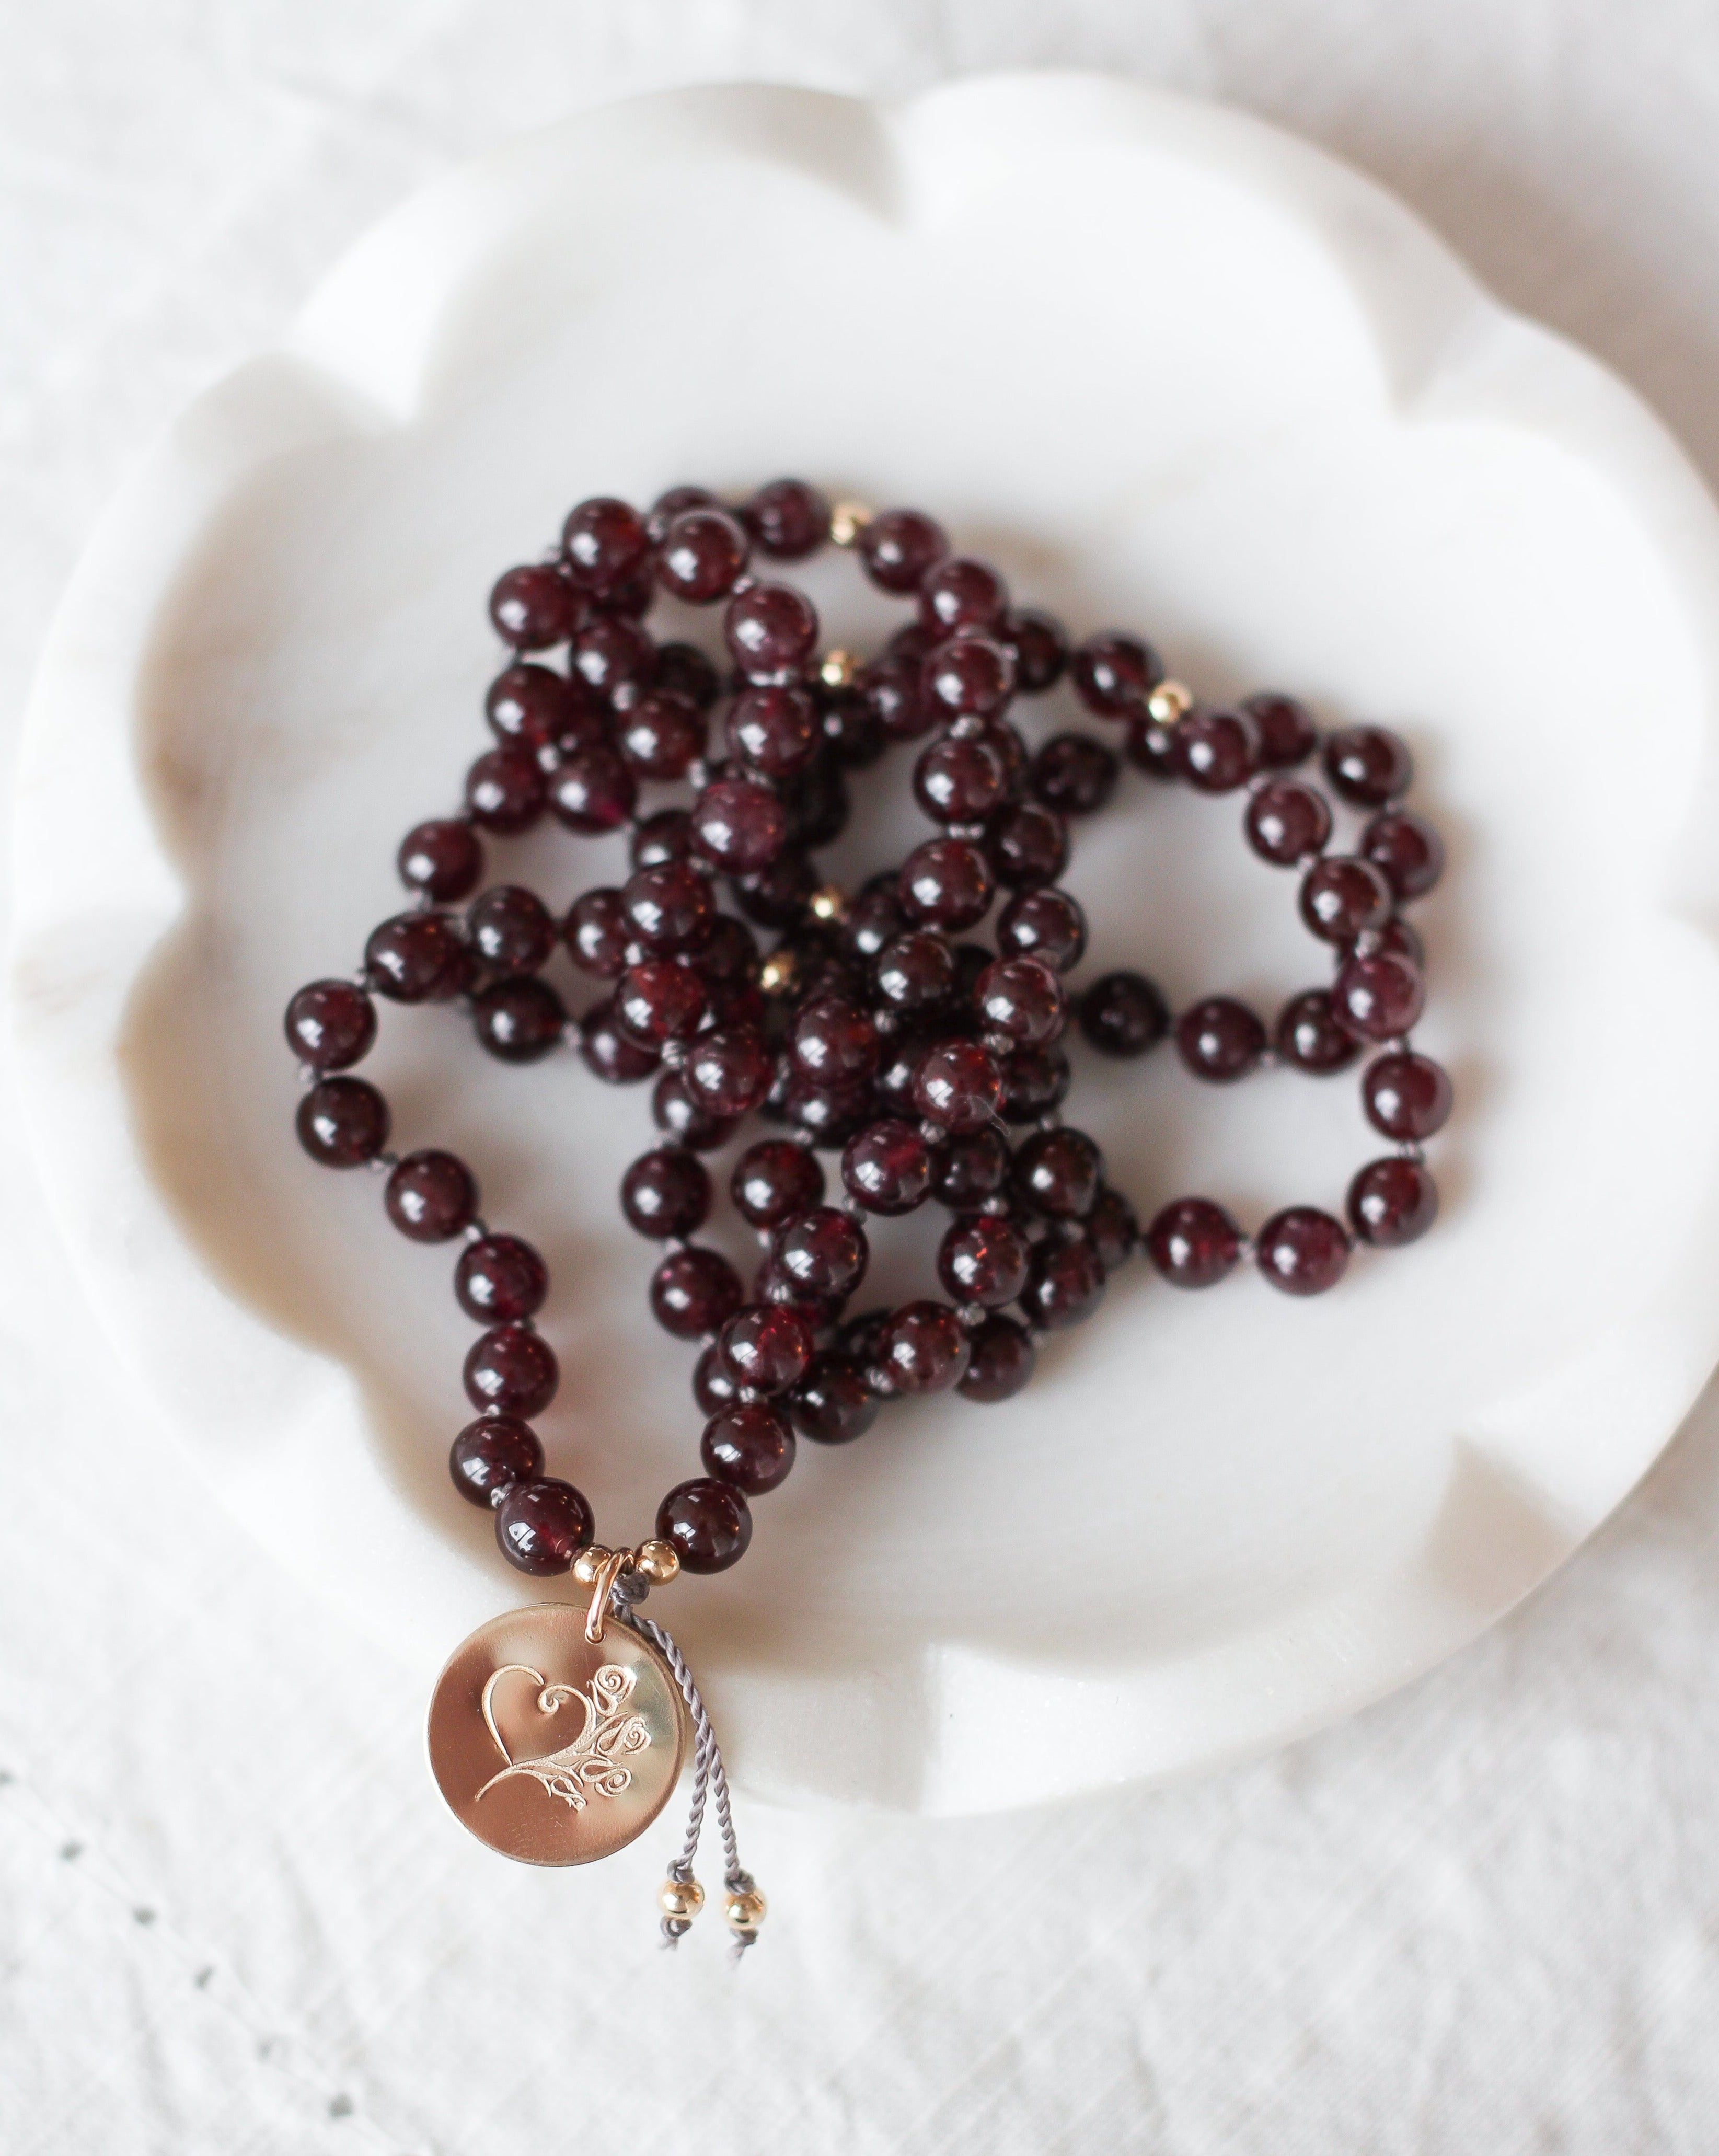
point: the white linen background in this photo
(1482, 1917)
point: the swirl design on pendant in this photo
(590, 1765)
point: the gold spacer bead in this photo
(1168, 701)
(838, 669)
(681, 1897)
(656, 1562)
(847, 521)
(775, 976)
(587, 1565)
(828, 904)
(745, 1911)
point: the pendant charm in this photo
(553, 1746)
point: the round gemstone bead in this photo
(1220, 1039)
(1059, 1173)
(914, 973)
(492, 1456)
(685, 668)
(1401, 941)
(519, 1020)
(968, 1170)
(984, 1260)
(1064, 1284)
(897, 548)
(666, 1192)
(788, 519)
(1040, 645)
(1147, 745)
(776, 896)
(611, 655)
(957, 1083)
(960, 779)
(330, 1024)
(770, 632)
(829, 1115)
(766, 1346)
(593, 792)
(1027, 847)
(431, 1196)
(946, 884)
(1034, 1081)
(1283, 728)
(678, 1115)
(1001, 1357)
(660, 1000)
(1046, 924)
(1074, 774)
(1112, 1229)
(961, 593)
(542, 1526)
(512, 1369)
(1342, 897)
(834, 1043)
(674, 501)
(832, 1404)
(712, 1386)
(1286, 821)
(597, 932)
(740, 826)
(443, 859)
(1124, 1014)
(668, 909)
(1193, 1243)
(532, 706)
(1367, 765)
(822, 1252)
(702, 552)
(1022, 1000)
(773, 1180)
(416, 958)
(1214, 751)
(1377, 998)
(969, 677)
(510, 929)
(749, 1444)
(887, 1167)
(1309, 1035)
(500, 1280)
(505, 791)
(342, 1122)
(922, 1349)
(662, 735)
(728, 1072)
(1407, 1097)
(1302, 1250)
(708, 1522)
(610, 1054)
(533, 607)
(603, 542)
(695, 1291)
(1406, 850)
(774, 731)
(1114, 673)
(1393, 1202)
(889, 690)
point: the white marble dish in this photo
(1177, 372)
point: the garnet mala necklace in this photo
(875, 1030)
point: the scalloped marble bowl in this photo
(1175, 371)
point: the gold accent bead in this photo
(775, 976)
(828, 904)
(656, 1562)
(847, 521)
(837, 669)
(587, 1565)
(1168, 701)
(682, 1898)
(745, 1910)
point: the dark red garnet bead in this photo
(597, 932)
(887, 1167)
(1001, 1357)
(330, 1024)
(1220, 1039)
(969, 677)
(702, 553)
(1074, 774)
(603, 541)
(659, 1000)
(749, 1444)
(668, 909)
(1406, 850)
(889, 690)
(1022, 999)
(674, 501)
(770, 632)
(1214, 751)
(834, 1043)
(1034, 1081)
(500, 1280)
(431, 1196)
(1124, 1014)
(542, 1527)
(773, 1180)
(519, 1020)
(695, 1291)
(1112, 1229)
(1040, 645)
(534, 706)
(1283, 728)
(1058, 1173)
(960, 778)
(921, 1348)
(914, 973)
(666, 1194)
(1027, 847)
(685, 668)
(505, 791)
(832, 1404)
(766, 1346)
(1393, 1202)
(1114, 673)
(966, 1171)
(492, 1456)
(342, 1122)
(593, 792)
(443, 859)
(712, 1386)
(740, 826)
(416, 958)
(533, 607)
(611, 654)
(897, 548)
(1302, 1250)
(1367, 765)
(609, 1053)
(708, 1522)
(822, 1252)
(984, 1260)
(1377, 998)
(1286, 821)
(1309, 1035)
(1065, 1284)
(788, 519)
(946, 884)
(678, 1116)
(961, 593)
(1046, 924)
(662, 735)
(1407, 1097)
(728, 1071)
(1342, 897)
(511, 1369)
(774, 732)
(958, 1084)
(1193, 1243)
(510, 929)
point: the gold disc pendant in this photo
(550, 1746)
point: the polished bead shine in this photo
(666, 1194)
(542, 1526)
(431, 1196)
(1220, 1039)
(1302, 1250)
(331, 1025)
(1407, 1097)
(513, 1369)
(492, 1456)
(500, 1280)
(1392, 1202)
(1124, 1014)
(749, 1444)
(1193, 1243)
(708, 1522)
(342, 1122)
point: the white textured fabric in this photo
(1481, 1917)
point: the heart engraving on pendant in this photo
(590, 1766)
